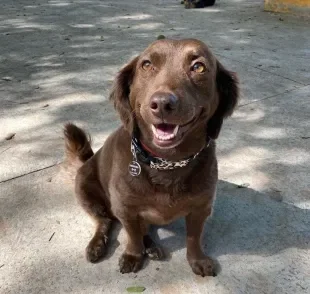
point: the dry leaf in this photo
(10, 136)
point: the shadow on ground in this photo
(247, 229)
(248, 222)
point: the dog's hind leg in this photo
(93, 200)
(88, 190)
(152, 249)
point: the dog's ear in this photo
(120, 94)
(228, 93)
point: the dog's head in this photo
(176, 93)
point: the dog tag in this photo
(134, 168)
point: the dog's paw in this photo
(95, 250)
(203, 267)
(152, 250)
(130, 263)
(155, 253)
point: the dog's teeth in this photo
(164, 137)
(154, 130)
(175, 131)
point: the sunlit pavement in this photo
(57, 62)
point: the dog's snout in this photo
(163, 103)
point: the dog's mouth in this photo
(167, 135)
(165, 132)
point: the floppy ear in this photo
(228, 92)
(120, 94)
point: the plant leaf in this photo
(137, 289)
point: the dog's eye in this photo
(199, 67)
(146, 65)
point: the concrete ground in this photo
(57, 61)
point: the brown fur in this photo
(107, 191)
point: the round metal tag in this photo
(134, 168)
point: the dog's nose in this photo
(163, 103)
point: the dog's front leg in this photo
(200, 263)
(132, 259)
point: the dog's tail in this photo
(77, 146)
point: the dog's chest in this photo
(165, 209)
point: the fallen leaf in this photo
(305, 137)
(7, 79)
(160, 37)
(9, 136)
(137, 289)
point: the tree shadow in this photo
(70, 51)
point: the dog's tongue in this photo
(165, 129)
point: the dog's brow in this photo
(194, 52)
(157, 57)
(193, 55)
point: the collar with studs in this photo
(139, 153)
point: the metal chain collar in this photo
(157, 162)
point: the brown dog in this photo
(161, 164)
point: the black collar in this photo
(139, 153)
